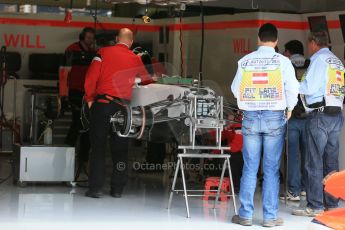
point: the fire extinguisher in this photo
(68, 14)
(48, 134)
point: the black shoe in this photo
(93, 194)
(116, 193)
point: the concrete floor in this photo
(143, 206)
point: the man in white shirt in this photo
(265, 86)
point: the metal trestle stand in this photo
(203, 114)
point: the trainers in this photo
(290, 196)
(303, 193)
(241, 221)
(306, 211)
(272, 223)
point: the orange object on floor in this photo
(212, 183)
(335, 186)
(222, 208)
(334, 219)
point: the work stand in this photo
(203, 114)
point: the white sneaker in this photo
(290, 196)
(303, 193)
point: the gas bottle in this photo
(48, 134)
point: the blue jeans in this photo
(297, 142)
(321, 156)
(261, 129)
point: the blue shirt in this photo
(315, 80)
(290, 83)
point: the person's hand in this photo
(288, 114)
(90, 104)
(155, 78)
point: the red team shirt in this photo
(113, 72)
(77, 74)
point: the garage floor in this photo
(143, 206)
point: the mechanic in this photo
(322, 88)
(264, 122)
(76, 93)
(108, 89)
(294, 50)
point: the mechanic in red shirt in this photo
(79, 67)
(111, 74)
(76, 54)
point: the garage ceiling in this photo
(298, 6)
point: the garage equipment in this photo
(45, 105)
(10, 63)
(213, 182)
(38, 163)
(203, 113)
(193, 108)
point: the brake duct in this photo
(132, 122)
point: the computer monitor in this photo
(318, 23)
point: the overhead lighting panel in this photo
(157, 2)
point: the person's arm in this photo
(69, 48)
(67, 63)
(142, 73)
(68, 55)
(92, 77)
(291, 86)
(314, 77)
(235, 86)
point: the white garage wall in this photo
(220, 56)
(55, 39)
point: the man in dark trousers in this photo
(322, 89)
(110, 78)
(297, 140)
(76, 81)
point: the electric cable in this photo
(3, 80)
(181, 45)
(2, 181)
(96, 21)
(84, 118)
(135, 27)
(6, 179)
(202, 42)
(95, 16)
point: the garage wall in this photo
(227, 39)
(230, 37)
(47, 33)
